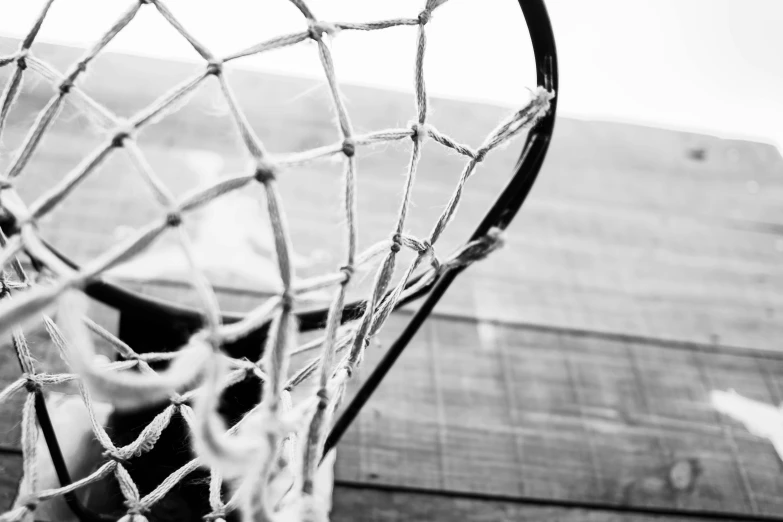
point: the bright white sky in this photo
(703, 65)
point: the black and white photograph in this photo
(391, 260)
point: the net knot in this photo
(215, 67)
(120, 136)
(348, 271)
(349, 147)
(265, 171)
(177, 400)
(21, 61)
(249, 367)
(480, 155)
(216, 516)
(287, 300)
(421, 131)
(323, 398)
(31, 383)
(30, 502)
(173, 219)
(67, 84)
(425, 16)
(143, 2)
(319, 28)
(429, 251)
(134, 512)
(396, 243)
(116, 456)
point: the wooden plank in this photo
(516, 411)
(368, 505)
(10, 472)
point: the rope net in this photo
(276, 435)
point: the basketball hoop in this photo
(172, 356)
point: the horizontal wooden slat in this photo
(624, 231)
(509, 410)
(369, 505)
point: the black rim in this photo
(500, 215)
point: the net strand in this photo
(276, 436)
(316, 432)
(14, 86)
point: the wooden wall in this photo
(517, 411)
(576, 364)
(364, 504)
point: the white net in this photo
(276, 438)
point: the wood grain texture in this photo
(509, 410)
(624, 231)
(506, 390)
(365, 505)
(10, 471)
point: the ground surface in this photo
(577, 363)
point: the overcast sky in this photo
(704, 65)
